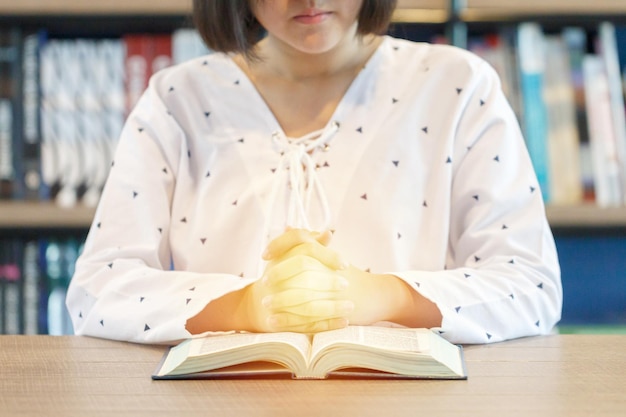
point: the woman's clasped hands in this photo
(302, 288)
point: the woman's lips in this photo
(312, 17)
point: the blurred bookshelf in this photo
(169, 14)
(589, 238)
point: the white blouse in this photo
(422, 172)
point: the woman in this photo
(312, 174)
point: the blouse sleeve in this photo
(502, 277)
(124, 287)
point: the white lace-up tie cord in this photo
(297, 171)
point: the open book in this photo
(359, 351)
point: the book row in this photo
(567, 88)
(63, 103)
(34, 276)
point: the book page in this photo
(398, 339)
(212, 352)
(220, 343)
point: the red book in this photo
(162, 52)
(139, 52)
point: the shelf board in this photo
(504, 10)
(90, 7)
(33, 215)
(424, 11)
(587, 216)
(113, 7)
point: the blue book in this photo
(9, 112)
(531, 58)
(30, 172)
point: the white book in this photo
(355, 351)
(609, 54)
(187, 44)
(604, 156)
(563, 138)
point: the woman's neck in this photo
(303, 90)
(280, 60)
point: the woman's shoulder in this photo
(210, 69)
(409, 52)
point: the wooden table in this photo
(561, 375)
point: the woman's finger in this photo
(292, 323)
(324, 254)
(292, 300)
(283, 270)
(314, 310)
(292, 238)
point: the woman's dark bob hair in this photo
(230, 26)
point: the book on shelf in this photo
(34, 275)
(80, 127)
(575, 39)
(32, 289)
(604, 156)
(563, 140)
(145, 55)
(531, 61)
(607, 45)
(187, 44)
(354, 351)
(63, 103)
(12, 287)
(30, 172)
(498, 50)
(58, 265)
(10, 130)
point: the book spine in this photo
(9, 120)
(187, 44)
(609, 54)
(60, 259)
(604, 157)
(32, 287)
(52, 101)
(113, 92)
(162, 53)
(576, 40)
(534, 114)
(563, 140)
(138, 61)
(3, 285)
(31, 127)
(13, 287)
